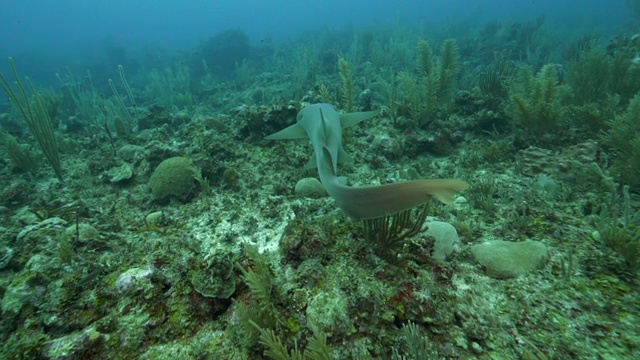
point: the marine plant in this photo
(622, 138)
(121, 108)
(618, 227)
(418, 346)
(535, 103)
(171, 87)
(601, 80)
(261, 313)
(260, 319)
(85, 108)
(589, 74)
(35, 114)
(243, 74)
(435, 84)
(388, 233)
(429, 84)
(348, 86)
(448, 69)
(317, 348)
(481, 195)
(491, 79)
(21, 156)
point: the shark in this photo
(322, 124)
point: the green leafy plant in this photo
(601, 80)
(448, 69)
(317, 348)
(261, 313)
(418, 346)
(622, 138)
(20, 154)
(589, 74)
(35, 113)
(619, 229)
(491, 79)
(388, 233)
(434, 87)
(348, 86)
(536, 102)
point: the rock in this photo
(181, 118)
(214, 283)
(446, 239)
(130, 153)
(310, 188)
(50, 227)
(507, 259)
(386, 145)
(120, 173)
(154, 219)
(573, 164)
(73, 346)
(83, 232)
(216, 279)
(328, 311)
(134, 279)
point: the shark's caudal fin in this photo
(367, 202)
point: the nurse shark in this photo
(323, 125)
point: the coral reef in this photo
(238, 254)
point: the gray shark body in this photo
(323, 125)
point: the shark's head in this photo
(323, 124)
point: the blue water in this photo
(69, 33)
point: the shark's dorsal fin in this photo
(351, 119)
(311, 164)
(294, 131)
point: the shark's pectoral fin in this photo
(351, 119)
(343, 157)
(294, 131)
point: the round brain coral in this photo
(173, 177)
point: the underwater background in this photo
(143, 214)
